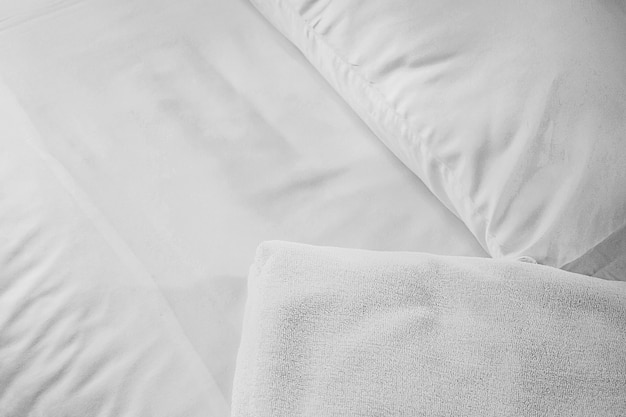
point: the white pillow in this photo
(513, 113)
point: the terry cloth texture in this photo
(338, 332)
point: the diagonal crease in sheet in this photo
(104, 228)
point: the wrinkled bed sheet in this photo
(193, 131)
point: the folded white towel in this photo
(338, 332)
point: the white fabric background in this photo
(195, 131)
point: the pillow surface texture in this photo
(513, 113)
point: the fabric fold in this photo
(331, 332)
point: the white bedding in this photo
(343, 332)
(84, 330)
(193, 131)
(513, 113)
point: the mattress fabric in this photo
(336, 332)
(513, 113)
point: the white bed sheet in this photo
(196, 131)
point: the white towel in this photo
(339, 332)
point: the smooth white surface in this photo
(84, 330)
(512, 112)
(342, 332)
(194, 131)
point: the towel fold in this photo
(340, 332)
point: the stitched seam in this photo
(412, 136)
